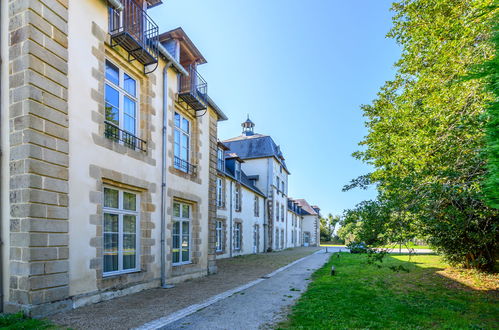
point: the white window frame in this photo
(182, 219)
(237, 196)
(282, 213)
(277, 239)
(256, 206)
(120, 211)
(276, 211)
(178, 145)
(237, 170)
(221, 159)
(219, 192)
(122, 93)
(237, 236)
(219, 236)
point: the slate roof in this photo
(305, 206)
(255, 146)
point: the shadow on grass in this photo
(362, 295)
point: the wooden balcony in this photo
(135, 32)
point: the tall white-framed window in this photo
(256, 238)
(282, 187)
(277, 239)
(282, 213)
(181, 245)
(220, 159)
(237, 193)
(237, 236)
(238, 170)
(292, 237)
(276, 211)
(256, 206)
(121, 105)
(277, 182)
(182, 143)
(121, 231)
(219, 236)
(282, 238)
(219, 192)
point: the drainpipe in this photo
(1, 162)
(163, 176)
(117, 5)
(230, 221)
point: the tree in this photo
(328, 227)
(427, 133)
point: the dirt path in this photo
(139, 308)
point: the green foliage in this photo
(328, 226)
(20, 322)
(427, 133)
(401, 295)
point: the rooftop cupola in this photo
(248, 127)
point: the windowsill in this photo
(121, 272)
(182, 263)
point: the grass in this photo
(363, 296)
(20, 322)
(409, 245)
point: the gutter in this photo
(162, 50)
(116, 4)
(163, 176)
(1, 158)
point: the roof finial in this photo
(248, 126)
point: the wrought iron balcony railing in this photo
(115, 133)
(136, 32)
(184, 166)
(194, 90)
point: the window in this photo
(257, 206)
(238, 170)
(219, 192)
(182, 140)
(277, 239)
(219, 234)
(256, 238)
(121, 229)
(181, 233)
(282, 187)
(282, 213)
(238, 198)
(277, 182)
(121, 109)
(276, 211)
(281, 169)
(282, 238)
(237, 236)
(220, 159)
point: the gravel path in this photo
(142, 307)
(259, 306)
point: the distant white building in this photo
(311, 223)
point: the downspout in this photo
(1, 159)
(230, 221)
(163, 177)
(117, 5)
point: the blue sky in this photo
(301, 70)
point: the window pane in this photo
(185, 211)
(112, 104)
(129, 251)
(185, 125)
(129, 201)
(184, 154)
(185, 241)
(184, 141)
(176, 146)
(110, 242)
(112, 73)
(177, 120)
(129, 115)
(129, 85)
(176, 242)
(129, 224)
(176, 209)
(110, 198)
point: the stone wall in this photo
(212, 193)
(39, 155)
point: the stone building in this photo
(108, 154)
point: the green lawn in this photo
(21, 322)
(406, 246)
(364, 296)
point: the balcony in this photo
(184, 166)
(193, 90)
(116, 134)
(135, 32)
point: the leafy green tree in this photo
(427, 133)
(328, 227)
